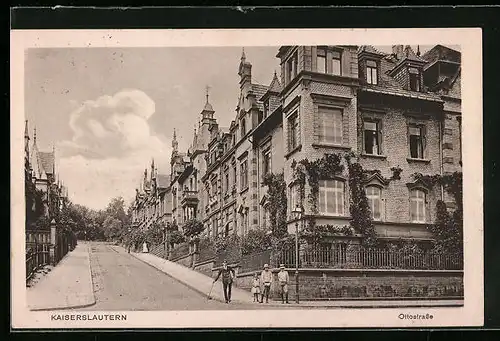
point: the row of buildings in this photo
(399, 109)
(41, 178)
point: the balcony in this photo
(189, 198)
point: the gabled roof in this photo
(370, 49)
(411, 55)
(259, 90)
(274, 88)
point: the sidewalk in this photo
(202, 283)
(67, 286)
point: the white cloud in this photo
(111, 146)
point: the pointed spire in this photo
(34, 135)
(275, 85)
(208, 107)
(175, 144)
(243, 56)
(207, 88)
(418, 50)
(26, 134)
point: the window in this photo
(266, 161)
(331, 197)
(214, 187)
(234, 175)
(291, 68)
(417, 206)
(243, 128)
(293, 132)
(371, 72)
(336, 63)
(266, 108)
(374, 196)
(294, 197)
(372, 136)
(330, 125)
(417, 138)
(321, 60)
(226, 187)
(414, 79)
(244, 175)
(260, 117)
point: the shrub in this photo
(255, 241)
(175, 237)
(192, 228)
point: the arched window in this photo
(374, 196)
(417, 206)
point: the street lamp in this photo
(297, 215)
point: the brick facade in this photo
(266, 112)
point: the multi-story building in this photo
(392, 110)
(40, 174)
(339, 99)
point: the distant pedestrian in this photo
(266, 278)
(283, 279)
(228, 275)
(256, 288)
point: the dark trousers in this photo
(265, 293)
(227, 290)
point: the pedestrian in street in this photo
(283, 279)
(227, 274)
(266, 278)
(256, 288)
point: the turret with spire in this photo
(207, 113)
(244, 71)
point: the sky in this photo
(109, 111)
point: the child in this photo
(256, 287)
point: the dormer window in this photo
(328, 61)
(371, 72)
(414, 79)
(291, 68)
(321, 60)
(336, 63)
(266, 108)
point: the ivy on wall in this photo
(448, 227)
(276, 195)
(328, 167)
(361, 217)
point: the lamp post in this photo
(297, 215)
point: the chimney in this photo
(397, 50)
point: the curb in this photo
(305, 305)
(185, 283)
(77, 306)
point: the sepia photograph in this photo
(247, 179)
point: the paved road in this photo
(123, 282)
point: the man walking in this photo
(227, 274)
(283, 280)
(266, 278)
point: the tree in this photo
(192, 228)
